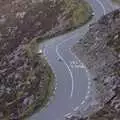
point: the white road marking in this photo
(101, 4)
(75, 109)
(86, 97)
(68, 115)
(56, 84)
(83, 102)
(89, 83)
(88, 92)
(57, 47)
(81, 64)
(88, 87)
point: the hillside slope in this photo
(100, 52)
(25, 76)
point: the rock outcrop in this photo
(100, 52)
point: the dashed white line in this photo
(89, 83)
(83, 102)
(68, 115)
(86, 97)
(88, 87)
(75, 109)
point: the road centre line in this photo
(68, 67)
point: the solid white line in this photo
(88, 75)
(68, 114)
(101, 4)
(57, 47)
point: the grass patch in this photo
(116, 1)
(79, 13)
(41, 103)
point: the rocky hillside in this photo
(25, 77)
(100, 52)
(25, 19)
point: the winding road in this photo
(72, 80)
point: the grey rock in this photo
(100, 51)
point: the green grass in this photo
(39, 104)
(116, 1)
(77, 14)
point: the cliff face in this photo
(100, 52)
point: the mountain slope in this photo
(100, 52)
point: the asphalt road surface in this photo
(72, 79)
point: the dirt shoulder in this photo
(100, 52)
(25, 77)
